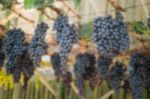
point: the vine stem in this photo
(22, 16)
(71, 9)
(43, 11)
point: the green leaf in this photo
(77, 3)
(86, 31)
(50, 2)
(28, 4)
(7, 13)
(39, 4)
(6, 3)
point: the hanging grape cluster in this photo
(84, 69)
(24, 65)
(13, 47)
(38, 45)
(56, 62)
(103, 64)
(139, 74)
(111, 35)
(66, 36)
(2, 55)
(85, 66)
(115, 77)
(147, 74)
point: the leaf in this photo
(50, 2)
(7, 13)
(77, 3)
(39, 4)
(28, 4)
(86, 31)
(6, 3)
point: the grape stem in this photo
(22, 16)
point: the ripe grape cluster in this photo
(85, 66)
(110, 35)
(139, 74)
(2, 55)
(13, 47)
(24, 64)
(147, 78)
(66, 36)
(136, 85)
(115, 78)
(56, 62)
(84, 69)
(103, 64)
(38, 45)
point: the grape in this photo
(2, 55)
(66, 37)
(13, 47)
(147, 73)
(103, 66)
(85, 66)
(137, 64)
(81, 87)
(115, 77)
(38, 46)
(110, 35)
(136, 85)
(136, 75)
(84, 69)
(56, 62)
(24, 64)
(67, 81)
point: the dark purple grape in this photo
(56, 63)
(66, 37)
(115, 77)
(103, 64)
(110, 35)
(136, 75)
(85, 66)
(13, 47)
(38, 45)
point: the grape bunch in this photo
(84, 69)
(136, 75)
(147, 74)
(56, 62)
(24, 65)
(2, 55)
(85, 66)
(136, 85)
(13, 47)
(103, 64)
(115, 77)
(66, 36)
(110, 35)
(38, 45)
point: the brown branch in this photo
(23, 17)
(70, 9)
(43, 11)
(139, 48)
(57, 10)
